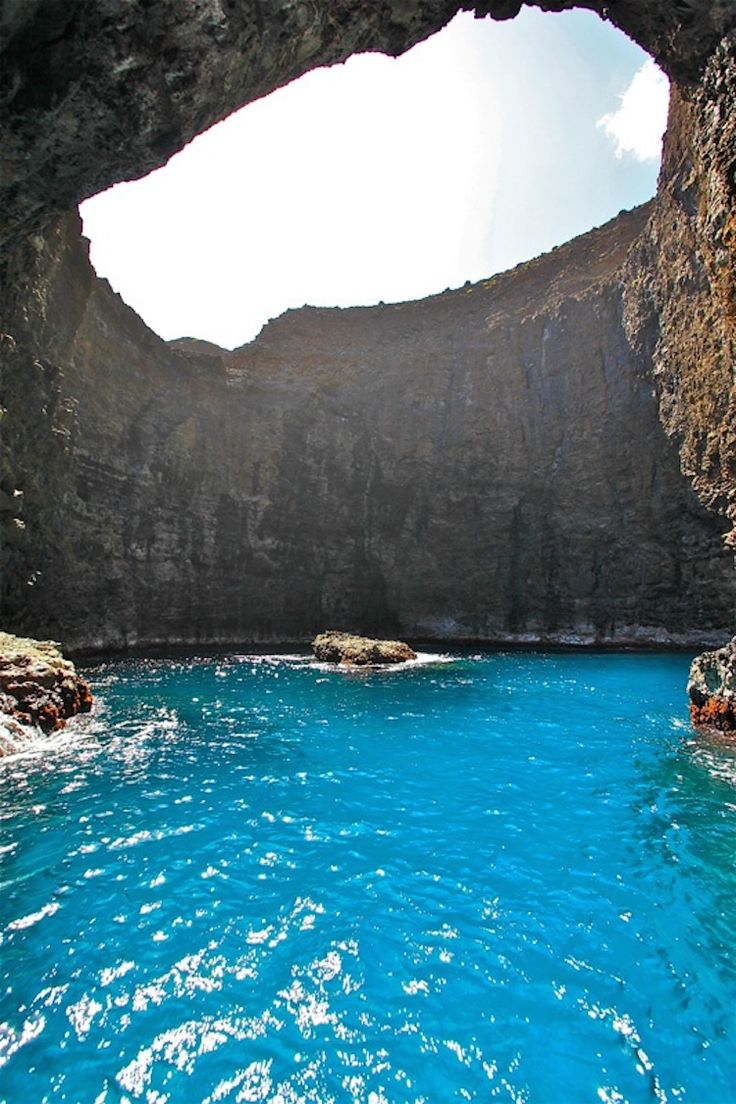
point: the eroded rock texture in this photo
(712, 689)
(680, 302)
(360, 651)
(485, 463)
(549, 455)
(38, 687)
(95, 92)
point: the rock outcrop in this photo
(680, 284)
(38, 686)
(712, 689)
(359, 651)
(548, 455)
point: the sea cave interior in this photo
(505, 864)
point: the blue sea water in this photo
(500, 877)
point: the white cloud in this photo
(639, 123)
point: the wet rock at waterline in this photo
(712, 689)
(38, 687)
(359, 651)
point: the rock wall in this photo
(681, 283)
(487, 463)
(549, 455)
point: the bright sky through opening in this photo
(389, 179)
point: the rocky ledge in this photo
(359, 651)
(712, 689)
(38, 687)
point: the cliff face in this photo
(680, 283)
(548, 454)
(485, 463)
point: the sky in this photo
(386, 179)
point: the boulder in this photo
(38, 686)
(712, 689)
(359, 651)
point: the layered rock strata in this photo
(360, 651)
(38, 687)
(487, 463)
(547, 456)
(680, 284)
(712, 689)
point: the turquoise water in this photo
(505, 877)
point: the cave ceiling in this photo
(95, 93)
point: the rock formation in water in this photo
(546, 455)
(712, 689)
(38, 687)
(359, 651)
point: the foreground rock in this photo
(38, 686)
(359, 651)
(712, 689)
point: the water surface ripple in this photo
(503, 877)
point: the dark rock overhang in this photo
(95, 93)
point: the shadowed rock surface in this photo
(359, 651)
(712, 689)
(38, 686)
(96, 92)
(549, 455)
(486, 463)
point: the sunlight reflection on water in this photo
(251, 879)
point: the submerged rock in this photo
(712, 689)
(38, 686)
(360, 651)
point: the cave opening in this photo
(253, 879)
(528, 458)
(385, 180)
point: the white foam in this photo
(302, 659)
(18, 741)
(11, 1040)
(423, 659)
(33, 917)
